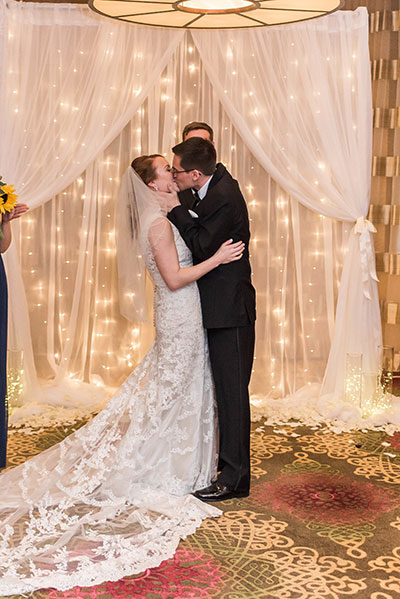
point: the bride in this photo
(113, 498)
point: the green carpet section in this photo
(322, 522)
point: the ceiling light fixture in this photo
(214, 14)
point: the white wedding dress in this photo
(113, 498)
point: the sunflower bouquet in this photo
(8, 200)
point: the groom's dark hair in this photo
(197, 153)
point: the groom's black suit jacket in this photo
(227, 295)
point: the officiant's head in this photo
(198, 129)
(194, 162)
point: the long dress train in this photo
(112, 499)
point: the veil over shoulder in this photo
(138, 208)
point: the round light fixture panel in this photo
(213, 14)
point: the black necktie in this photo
(196, 198)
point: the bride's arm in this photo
(162, 243)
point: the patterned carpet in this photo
(322, 522)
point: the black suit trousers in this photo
(231, 356)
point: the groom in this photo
(218, 213)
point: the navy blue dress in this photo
(3, 364)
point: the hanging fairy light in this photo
(214, 14)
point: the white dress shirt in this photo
(201, 193)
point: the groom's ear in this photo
(195, 175)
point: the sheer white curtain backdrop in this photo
(66, 245)
(301, 98)
(70, 83)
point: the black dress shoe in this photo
(219, 492)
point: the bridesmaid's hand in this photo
(16, 212)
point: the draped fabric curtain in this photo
(70, 83)
(301, 98)
(66, 245)
(75, 82)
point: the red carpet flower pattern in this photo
(188, 574)
(326, 498)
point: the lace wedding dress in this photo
(112, 499)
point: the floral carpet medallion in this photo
(330, 504)
(322, 522)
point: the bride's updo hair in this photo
(143, 166)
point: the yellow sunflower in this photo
(8, 198)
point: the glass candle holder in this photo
(386, 360)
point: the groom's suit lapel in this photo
(218, 174)
(201, 208)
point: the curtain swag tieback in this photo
(364, 228)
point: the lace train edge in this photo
(115, 569)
